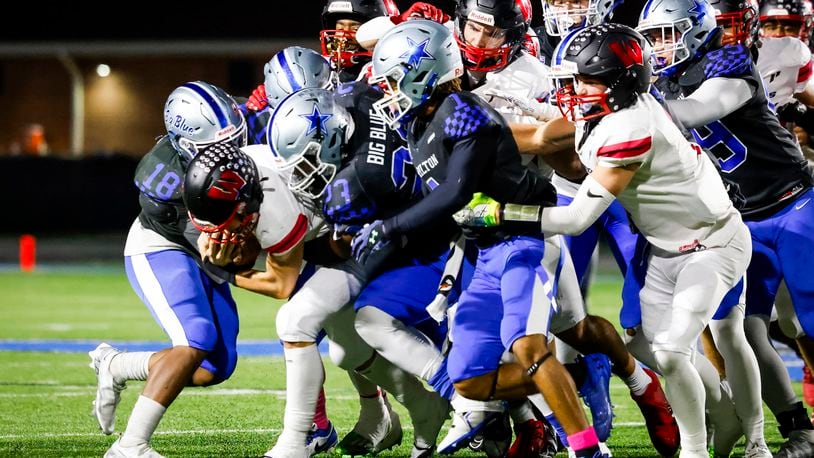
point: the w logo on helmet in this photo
(629, 52)
(227, 187)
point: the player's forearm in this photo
(713, 100)
(543, 139)
(279, 285)
(591, 201)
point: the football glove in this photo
(369, 239)
(481, 211)
(421, 10)
(258, 100)
(540, 111)
(797, 113)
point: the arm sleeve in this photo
(370, 32)
(714, 99)
(467, 163)
(591, 201)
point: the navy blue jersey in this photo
(257, 123)
(379, 179)
(752, 148)
(548, 44)
(158, 177)
(463, 148)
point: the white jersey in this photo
(785, 65)
(284, 220)
(525, 78)
(676, 198)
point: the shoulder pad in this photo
(464, 114)
(728, 62)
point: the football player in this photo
(189, 299)
(378, 177)
(496, 70)
(290, 70)
(699, 247)
(453, 137)
(312, 125)
(785, 64)
(723, 100)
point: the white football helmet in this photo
(198, 114)
(307, 133)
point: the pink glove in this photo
(421, 10)
(258, 100)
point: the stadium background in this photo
(79, 202)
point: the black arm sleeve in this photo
(467, 163)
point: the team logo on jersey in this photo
(629, 52)
(316, 121)
(417, 52)
(227, 187)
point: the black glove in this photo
(733, 190)
(797, 113)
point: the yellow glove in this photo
(481, 211)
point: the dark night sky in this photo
(82, 21)
(90, 20)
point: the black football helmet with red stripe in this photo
(614, 54)
(222, 185)
(340, 45)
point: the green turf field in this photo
(45, 398)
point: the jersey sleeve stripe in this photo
(805, 72)
(293, 238)
(626, 149)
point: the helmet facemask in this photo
(577, 107)
(342, 48)
(228, 232)
(738, 27)
(485, 59)
(561, 18)
(667, 41)
(237, 136)
(307, 174)
(396, 103)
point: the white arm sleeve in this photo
(591, 201)
(369, 33)
(714, 99)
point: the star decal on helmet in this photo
(317, 121)
(417, 52)
(698, 11)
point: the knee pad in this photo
(348, 358)
(670, 361)
(294, 322)
(201, 334)
(345, 347)
(373, 326)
